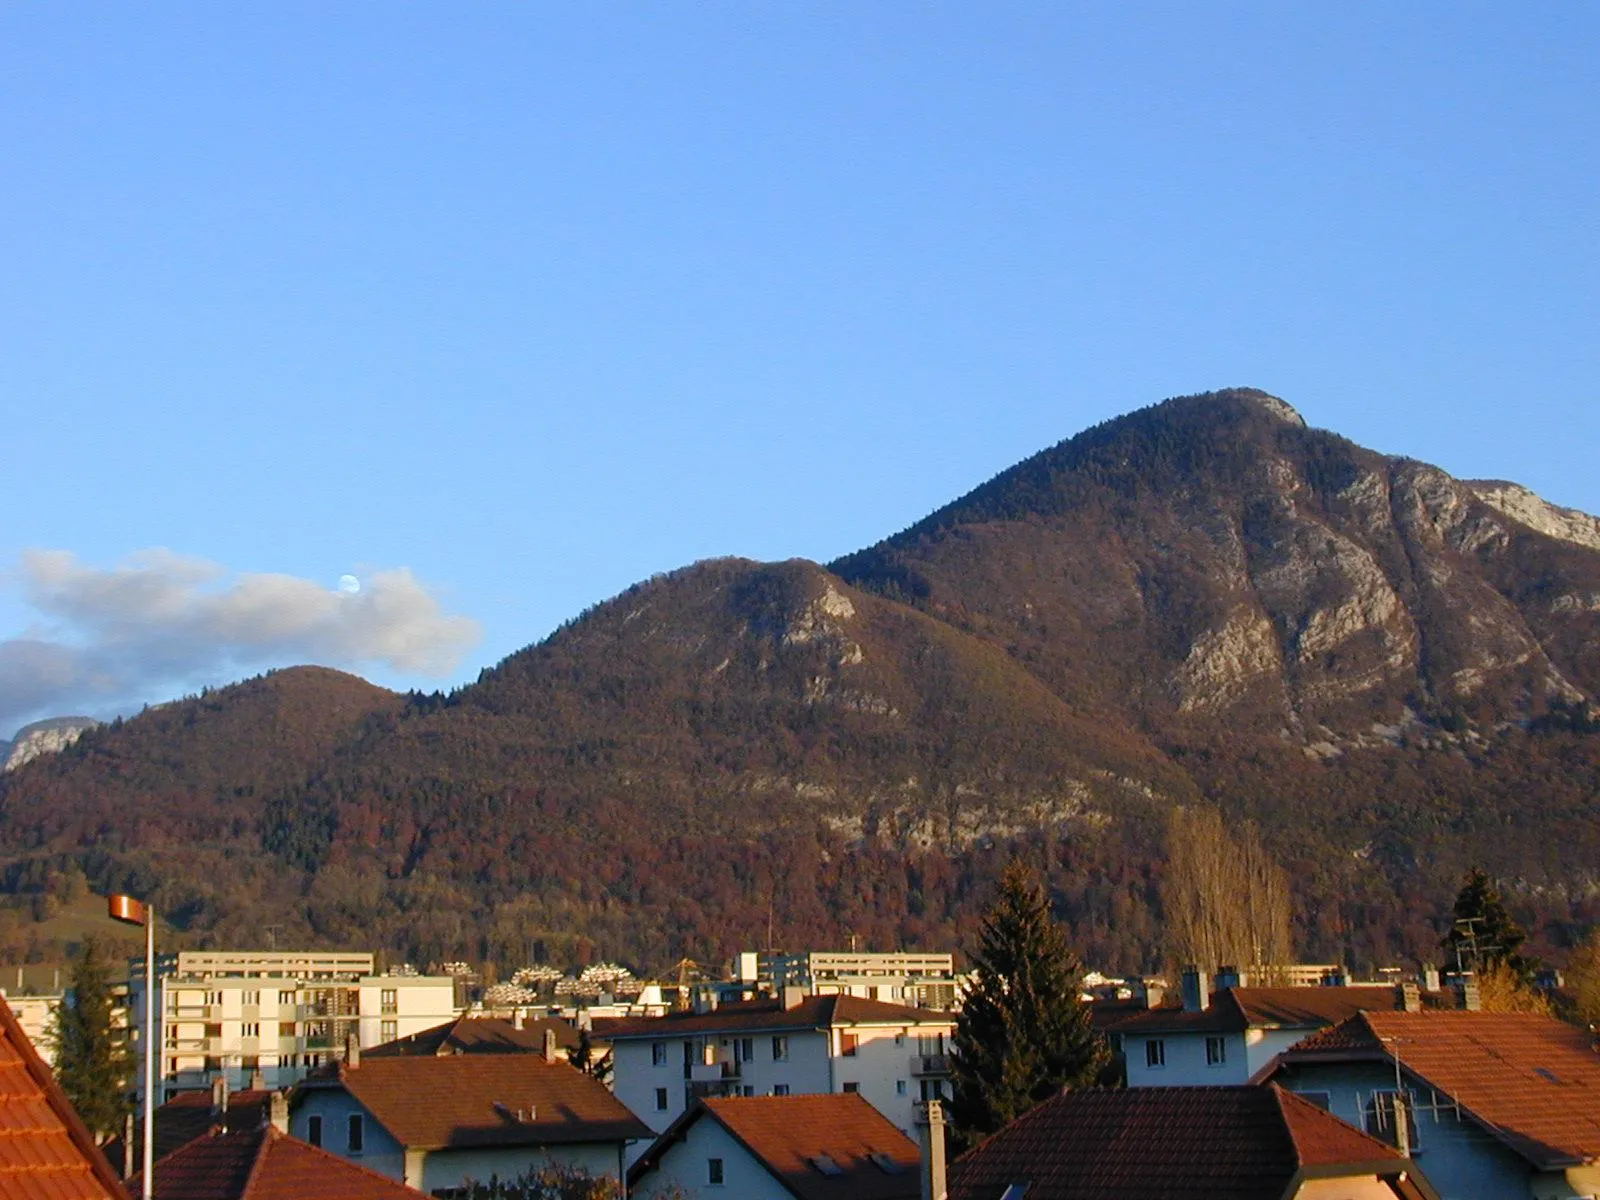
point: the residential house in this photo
(1493, 1104)
(792, 1044)
(264, 1164)
(34, 993)
(45, 1150)
(835, 1147)
(435, 1122)
(231, 1014)
(1225, 1037)
(1242, 1143)
(190, 1115)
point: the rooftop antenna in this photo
(1401, 1107)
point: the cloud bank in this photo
(160, 622)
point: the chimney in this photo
(931, 1126)
(1408, 997)
(1227, 977)
(1338, 977)
(278, 1111)
(521, 1019)
(1430, 978)
(1196, 990)
(1154, 994)
(352, 1049)
(258, 1080)
(793, 997)
(549, 1045)
(1467, 993)
(219, 1094)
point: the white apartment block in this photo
(793, 1044)
(265, 1018)
(920, 980)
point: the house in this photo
(790, 1044)
(264, 1164)
(233, 1013)
(479, 1035)
(435, 1122)
(45, 1150)
(834, 1147)
(190, 1115)
(1183, 1143)
(1495, 1104)
(1226, 1037)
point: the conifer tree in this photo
(1023, 1035)
(93, 1065)
(1482, 934)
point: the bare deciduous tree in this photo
(1226, 900)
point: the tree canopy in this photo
(1482, 933)
(93, 1064)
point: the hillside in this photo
(1388, 668)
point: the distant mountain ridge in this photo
(1391, 670)
(42, 737)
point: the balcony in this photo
(716, 1072)
(925, 1065)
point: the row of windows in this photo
(1155, 1052)
(931, 1090)
(744, 1050)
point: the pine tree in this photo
(1023, 1035)
(1482, 934)
(93, 1065)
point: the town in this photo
(888, 1075)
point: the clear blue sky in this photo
(534, 300)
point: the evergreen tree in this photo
(1022, 1035)
(583, 1057)
(94, 1066)
(1482, 934)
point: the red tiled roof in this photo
(1173, 1143)
(45, 1151)
(1235, 1009)
(475, 1100)
(760, 1016)
(788, 1134)
(263, 1164)
(1532, 1081)
(478, 1035)
(189, 1115)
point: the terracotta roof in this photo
(478, 1035)
(45, 1150)
(760, 1016)
(1175, 1143)
(1533, 1082)
(475, 1100)
(1235, 1009)
(866, 1157)
(189, 1115)
(263, 1164)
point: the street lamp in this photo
(135, 912)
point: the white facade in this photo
(710, 1161)
(1197, 1059)
(915, 979)
(279, 1013)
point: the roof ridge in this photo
(268, 1134)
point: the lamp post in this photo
(135, 912)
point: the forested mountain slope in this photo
(1388, 668)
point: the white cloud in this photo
(159, 622)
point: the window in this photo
(286, 1029)
(848, 1044)
(356, 1133)
(213, 997)
(748, 1090)
(389, 1030)
(932, 1089)
(658, 1054)
(744, 1050)
(314, 1130)
(714, 1172)
(250, 997)
(1216, 1051)
(850, 1089)
(1155, 1053)
(661, 1099)
(899, 1087)
(1382, 1112)
(780, 1048)
(780, 1089)
(390, 999)
(250, 1029)
(285, 997)
(1323, 1100)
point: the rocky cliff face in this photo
(44, 737)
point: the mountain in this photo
(42, 737)
(1388, 669)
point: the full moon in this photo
(349, 584)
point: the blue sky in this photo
(500, 308)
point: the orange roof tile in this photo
(868, 1158)
(46, 1153)
(432, 1103)
(263, 1164)
(1235, 1009)
(189, 1115)
(1532, 1081)
(1174, 1143)
(478, 1035)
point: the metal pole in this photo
(151, 1049)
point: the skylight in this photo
(1016, 1191)
(884, 1163)
(826, 1165)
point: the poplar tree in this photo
(93, 1064)
(1023, 1035)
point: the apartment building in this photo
(917, 979)
(265, 1018)
(34, 993)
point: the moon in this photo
(349, 584)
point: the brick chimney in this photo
(278, 1111)
(352, 1050)
(930, 1124)
(219, 1094)
(793, 997)
(1408, 997)
(549, 1045)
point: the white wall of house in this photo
(1365, 1187)
(1459, 1158)
(1189, 1065)
(397, 1006)
(687, 1165)
(452, 1168)
(379, 1151)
